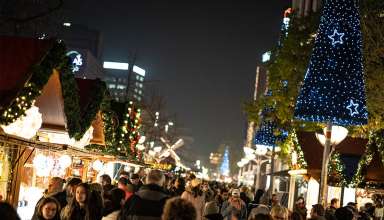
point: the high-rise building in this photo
(124, 81)
(304, 7)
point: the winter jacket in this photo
(146, 204)
(198, 202)
(112, 216)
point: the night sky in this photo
(202, 53)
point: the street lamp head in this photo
(338, 134)
(262, 149)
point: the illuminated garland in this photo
(122, 122)
(336, 171)
(375, 145)
(294, 148)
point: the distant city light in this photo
(138, 70)
(116, 65)
(67, 24)
(266, 56)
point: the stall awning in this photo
(313, 150)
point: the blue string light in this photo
(333, 88)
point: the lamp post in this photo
(333, 135)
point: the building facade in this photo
(304, 7)
(124, 81)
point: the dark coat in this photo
(146, 204)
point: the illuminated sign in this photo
(115, 65)
(76, 60)
(266, 56)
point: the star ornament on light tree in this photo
(352, 107)
(336, 37)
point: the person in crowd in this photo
(124, 174)
(274, 201)
(344, 213)
(221, 198)
(149, 201)
(96, 187)
(70, 188)
(55, 190)
(317, 212)
(211, 211)
(124, 185)
(106, 182)
(80, 208)
(379, 210)
(177, 209)
(178, 187)
(234, 205)
(48, 209)
(260, 209)
(209, 195)
(195, 195)
(300, 207)
(244, 195)
(296, 216)
(114, 205)
(256, 200)
(279, 213)
(330, 211)
(136, 182)
(261, 217)
(8, 212)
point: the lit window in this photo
(121, 86)
(140, 92)
(140, 85)
(138, 99)
(111, 86)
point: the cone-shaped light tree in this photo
(333, 91)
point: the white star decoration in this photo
(336, 37)
(352, 107)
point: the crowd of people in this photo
(155, 196)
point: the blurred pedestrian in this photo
(279, 213)
(8, 212)
(300, 207)
(179, 209)
(70, 188)
(149, 201)
(317, 212)
(135, 181)
(79, 208)
(211, 211)
(178, 187)
(344, 213)
(55, 190)
(195, 195)
(234, 205)
(48, 209)
(261, 217)
(330, 211)
(114, 205)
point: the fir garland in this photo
(293, 146)
(336, 171)
(40, 74)
(92, 107)
(375, 145)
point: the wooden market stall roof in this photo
(18, 55)
(313, 150)
(51, 104)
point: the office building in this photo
(124, 81)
